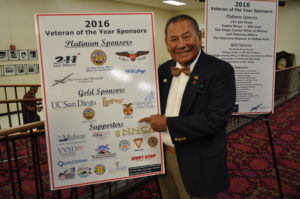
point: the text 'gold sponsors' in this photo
(99, 91)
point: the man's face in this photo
(183, 42)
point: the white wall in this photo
(17, 27)
(289, 29)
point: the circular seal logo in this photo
(99, 169)
(98, 57)
(88, 113)
(84, 172)
(152, 141)
(124, 145)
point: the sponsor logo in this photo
(149, 96)
(68, 162)
(84, 172)
(98, 57)
(69, 150)
(101, 127)
(124, 145)
(107, 102)
(85, 79)
(154, 168)
(127, 109)
(88, 113)
(58, 105)
(65, 61)
(67, 174)
(103, 152)
(126, 56)
(62, 80)
(138, 142)
(99, 91)
(152, 141)
(135, 71)
(255, 108)
(101, 135)
(133, 131)
(147, 103)
(117, 168)
(71, 138)
(143, 157)
(99, 169)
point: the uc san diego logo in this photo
(98, 57)
(88, 113)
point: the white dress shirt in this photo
(175, 97)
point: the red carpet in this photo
(249, 160)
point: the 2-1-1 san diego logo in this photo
(65, 61)
(98, 57)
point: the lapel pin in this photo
(194, 82)
(165, 80)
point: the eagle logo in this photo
(132, 56)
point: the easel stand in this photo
(267, 121)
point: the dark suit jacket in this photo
(198, 133)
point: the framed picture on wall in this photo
(3, 55)
(9, 70)
(1, 71)
(21, 69)
(30, 68)
(37, 68)
(13, 55)
(33, 54)
(24, 55)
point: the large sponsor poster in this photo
(243, 33)
(99, 78)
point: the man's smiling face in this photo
(183, 42)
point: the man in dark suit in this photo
(197, 99)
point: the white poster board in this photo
(99, 78)
(243, 33)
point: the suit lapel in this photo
(194, 85)
(166, 84)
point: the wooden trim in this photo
(287, 68)
(18, 129)
(21, 85)
(20, 100)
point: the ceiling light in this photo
(175, 3)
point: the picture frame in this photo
(3, 55)
(32, 54)
(30, 69)
(14, 55)
(21, 69)
(9, 70)
(1, 71)
(37, 68)
(23, 54)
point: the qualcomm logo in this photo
(64, 163)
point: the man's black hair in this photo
(182, 17)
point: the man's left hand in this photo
(157, 122)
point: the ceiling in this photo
(190, 4)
